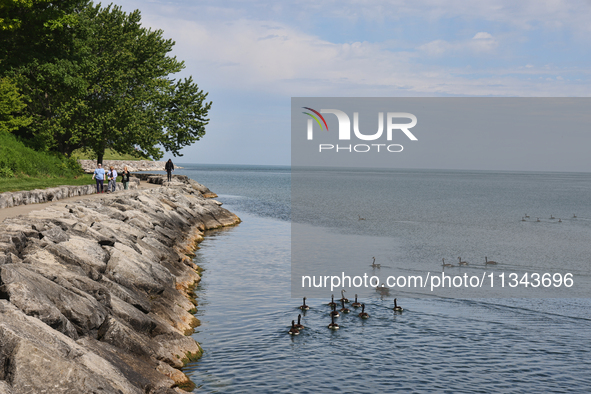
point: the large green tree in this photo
(97, 79)
(37, 52)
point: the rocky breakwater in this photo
(95, 296)
(162, 180)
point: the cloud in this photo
(482, 36)
(286, 59)
(482, 42)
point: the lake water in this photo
(455, 345)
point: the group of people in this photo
(100, 175)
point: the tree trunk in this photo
(100, 155)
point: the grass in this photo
(30, 183)
(18, 160)
(22, 168)
(109, 155)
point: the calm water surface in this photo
(435, 345)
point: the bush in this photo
(6, 172)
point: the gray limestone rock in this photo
(34, 358)
(55, 234)
(99, 288)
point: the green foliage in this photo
(11, 104)
(12, 14)
(6, 172)
(95, 79)
(38, 52)
(21, 161)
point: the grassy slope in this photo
(22, 168)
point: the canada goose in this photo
(574, 216)
(299, 326)
(343, 309)
(523, 219)
(486, 262)
(559, 220)
(331, 303)
(363, 314)
(356, 304)
(374, 265)
(293, 330)
(537, 219)
(360, 218)
(396, 307)
(527, 216)
(334, 312)
(444, 264)
(382, 289)
(343, 296)
(333, 325)
(304, 307)
(552, 217)
(462, 262)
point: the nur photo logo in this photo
(392, 120)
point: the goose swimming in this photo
(363, 314)
(333, 325)
(299, 326)
(444, 264)
(374, 265)
(334, 312)
(343, 296)
(383, 289)
(343, 309)
(293, 330)
(304, 307)
(331, 303)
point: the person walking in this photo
(99, 176)
(125, 178)
(169, 167)
(112, 180)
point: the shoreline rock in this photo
(95, 294)
(160, 179)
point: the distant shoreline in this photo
(132, 165)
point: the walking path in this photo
(25, 209)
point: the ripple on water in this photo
(435, 345)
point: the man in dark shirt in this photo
(169, 167)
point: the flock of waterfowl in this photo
(295, 328)
(523, 218)
(465, 263)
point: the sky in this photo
(253, 56)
